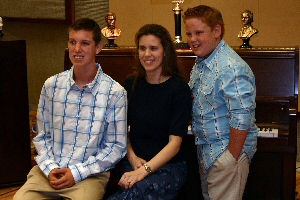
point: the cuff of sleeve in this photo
(79, 172)
(49, 168)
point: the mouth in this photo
(78, 57)
(148, 61)
(196, 46)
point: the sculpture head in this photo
(247, 17)
(110, 19)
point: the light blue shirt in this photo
(224, 92)
(83, 129)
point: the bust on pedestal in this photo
(248, 30)
(110, 31)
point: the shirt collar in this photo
(93, 86)
(208, 61)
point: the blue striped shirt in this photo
(224, 92)
(83, 129)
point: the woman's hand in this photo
(136, 162)
(130, 178)
(165, 155)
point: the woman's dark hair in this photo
(88, 25)
(169, 65)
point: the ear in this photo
(218, 31)
(99, 47)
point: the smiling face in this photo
(201, 38)
(151, 54)
(82, 48)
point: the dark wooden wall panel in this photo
(15, 152)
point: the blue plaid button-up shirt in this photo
(83, 129)
(224, 92)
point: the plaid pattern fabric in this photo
(83, 129)
(224, 92)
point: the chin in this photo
(198, 53)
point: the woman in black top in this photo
(159, 106)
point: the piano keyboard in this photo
(267, 132)
(263, 132)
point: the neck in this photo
(83, 76)
(153, 78)
(156, 79)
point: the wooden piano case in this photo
(273, 168)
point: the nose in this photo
(77, 47)
(192, 38)
(147, 52)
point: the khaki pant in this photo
(226, 178)
(37, 187)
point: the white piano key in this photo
(268, 132)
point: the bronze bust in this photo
(110, 30)
(248, 30)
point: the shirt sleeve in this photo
(43, 142)
(240, 93)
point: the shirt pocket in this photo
(205, 102)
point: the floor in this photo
(7, 193)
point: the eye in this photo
(142, 48)
(188, 34)
(72, 42)
(199, 32)
(153, 48)
(85, 43)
